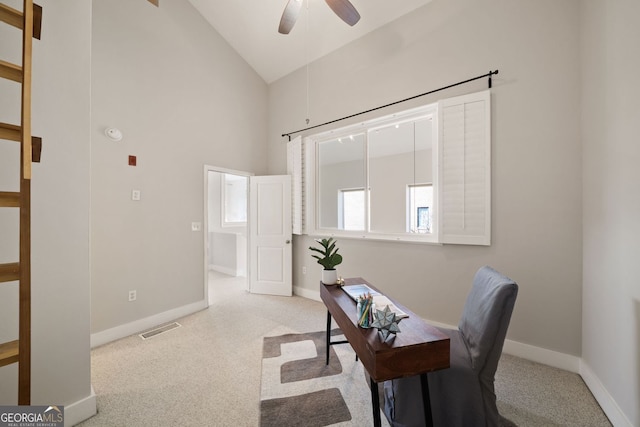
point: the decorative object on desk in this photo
(365, 308)
(357, 291)
(386, 322)
(340, 281)
(329, 259)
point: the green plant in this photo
(330, 256)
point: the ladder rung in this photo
(10, 132)
(9, 200)
(9, 272)
(8, 353)
(10, 71)
(14, 17)
(11, 16)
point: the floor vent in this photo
(157, 331)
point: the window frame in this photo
(458, 217)
(312, 144)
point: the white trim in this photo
(132, 328)
(601, 394)
(542, 355)
(225, 270)
(306, 293)
(80, 410)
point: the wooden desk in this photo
(419, 348)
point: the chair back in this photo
(485, 319)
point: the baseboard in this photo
(103, 337)
(306, 293)
(224, 270)
(542, 355)
(81, 410)
(601, 394)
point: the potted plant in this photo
(328, 258)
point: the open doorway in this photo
(226, 253)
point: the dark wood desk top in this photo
(418, 348)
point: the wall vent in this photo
(157, 331)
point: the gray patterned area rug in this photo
(299, 389)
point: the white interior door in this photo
(270, 235)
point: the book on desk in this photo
(361, 290)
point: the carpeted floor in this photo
(208, 372)
(299, 389)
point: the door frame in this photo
(205, 227)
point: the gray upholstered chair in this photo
(462, 395)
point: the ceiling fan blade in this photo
(345, 10)
(289, 16)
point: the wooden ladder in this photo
(19, 351)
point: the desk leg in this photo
(375, 403)
(328, 335)
(426, 400)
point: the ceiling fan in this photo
(343, 8)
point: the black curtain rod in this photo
(489, 74)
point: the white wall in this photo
(611, 290)
(537, 169)
(183, 98)
(60, 208)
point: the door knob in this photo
(288, 241)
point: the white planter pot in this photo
(330, 277)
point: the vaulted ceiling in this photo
(251, 28)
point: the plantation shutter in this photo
(295, 168)
(465, 169)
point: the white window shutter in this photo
(465, 169)
(295, 168)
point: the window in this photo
(400, 155)
(426, 172)
(341, 164)
(351, 209)
(419, 203)
(234, 194)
